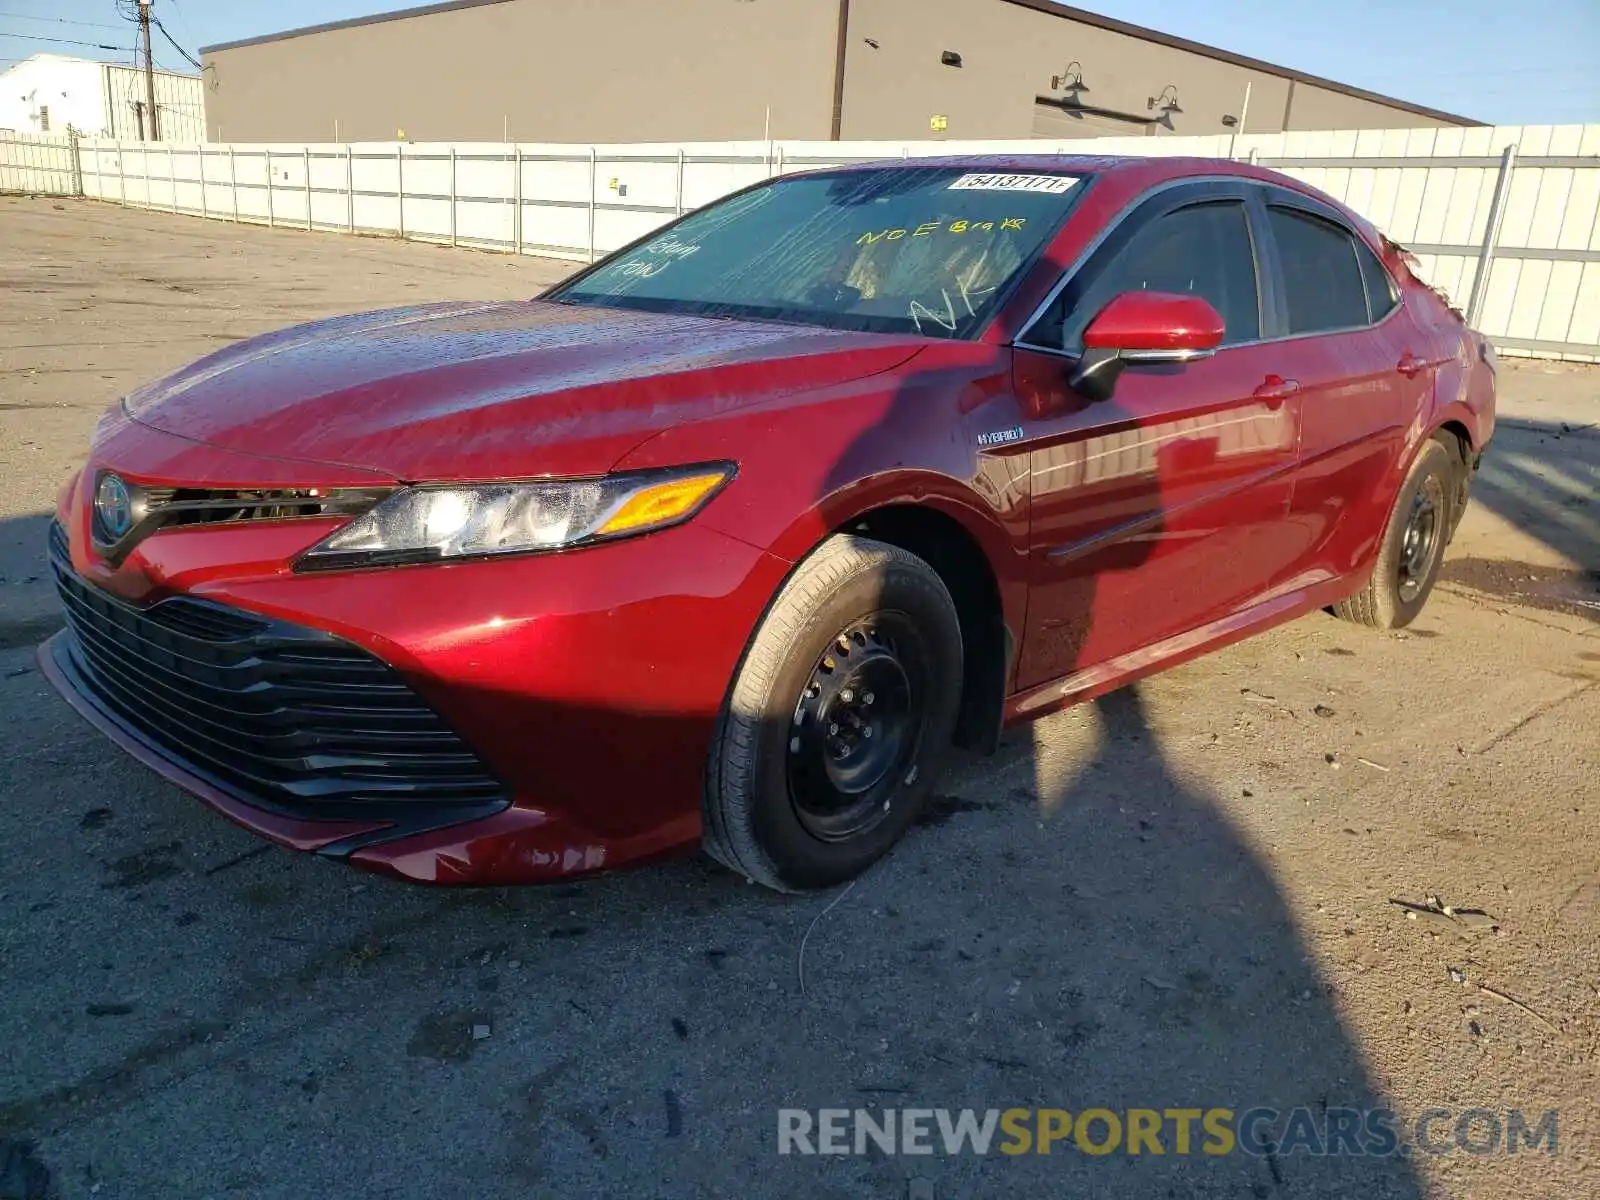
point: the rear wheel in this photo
(1413, 544)
(838, 718)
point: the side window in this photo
(1203, 250)
(1322, 275)
(1381, 295)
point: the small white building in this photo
(48, 93)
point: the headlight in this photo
(433, 523)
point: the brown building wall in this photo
(1320, 108)
(547, 71)
(676, 70)
(1010, 51)
(1008, 55)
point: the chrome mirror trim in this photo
(1146, 357)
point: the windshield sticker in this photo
(1053, 185)
(929, 228)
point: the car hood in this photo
(474, 391)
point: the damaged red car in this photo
(728, 538)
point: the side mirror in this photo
(1144, 328)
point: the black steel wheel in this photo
(1413, 543)
(857, 726)
(1419, 538)
(836, 723)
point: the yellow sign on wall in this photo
(938, 123)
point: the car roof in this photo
(1164, 166)
(1135, 171)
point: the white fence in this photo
(39, 163)
(1503, 219)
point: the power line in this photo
(30, 37)
(11, 16)
(192, 60)
(92, 45)
(183, 21)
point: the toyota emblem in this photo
(113, 504)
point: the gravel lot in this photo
(1177, 897)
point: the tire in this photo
(1463, 487)
(863, 641)
(1419, 526)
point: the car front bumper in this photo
(586, 685)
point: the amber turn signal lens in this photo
(661, 503)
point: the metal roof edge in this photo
(398, 14)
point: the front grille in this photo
(154, 508)
(282, 716)
(209, 506)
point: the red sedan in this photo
(725, 540)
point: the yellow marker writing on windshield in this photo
(929, 228)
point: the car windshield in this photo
(927, 250)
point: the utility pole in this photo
(149, 67)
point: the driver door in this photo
(1161, 509)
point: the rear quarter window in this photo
(1324, 283)
(1381, 293)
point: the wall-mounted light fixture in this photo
(950, 58)
(1167, 101)
(873, 42)
(1070, 80)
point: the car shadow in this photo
(1541, 479)
(1086, 929)
(29, 612)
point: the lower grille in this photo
(284, 717)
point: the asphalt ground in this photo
(1183, 896)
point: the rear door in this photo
(1354, 350)
(1159, 510)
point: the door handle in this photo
(1411, 366)
(1275, 389)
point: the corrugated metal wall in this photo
(1435, 194)
(180, 104)
(1430, 189)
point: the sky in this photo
(1505, 62)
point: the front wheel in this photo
(1413, 544)
(837, 720)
